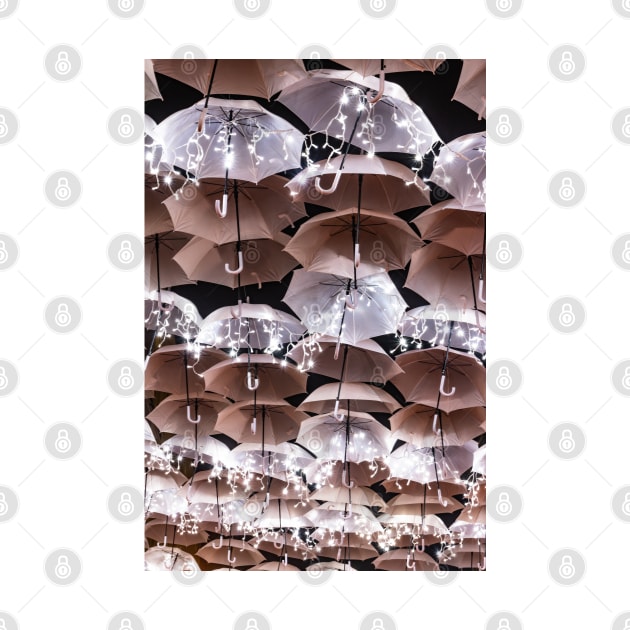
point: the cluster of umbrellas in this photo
(337, 428)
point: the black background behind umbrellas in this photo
(451, 119)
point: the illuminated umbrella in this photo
(238, 139)
(257, 326)
(276, 565)
(168, 313)
(334, 473)
(460, 169)
(351, 396)
(343, 106)
(169, 559)
(230, 551)
(337, 306)
(151, 89)
(359, 496)
(367, 67)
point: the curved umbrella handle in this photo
(381, 88)
(190, 418)
(482, 566)
(214, 545)
(329, 191)
(436, 418)
(230, 557)
(163, 544)
(413, 562)
(422, 543)
(278, 545)
(201, 119)
(285, 561)
(440, 499)
(357, 255)
(253, 425)
(442, 390)
(339, 554)
(480, 296)
(252, 382)
(221, 207)
(257, 279)
(284, 215)
(344, 479)
(239, 268)
(336, 415)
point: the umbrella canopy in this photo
(446, 278)
(230, 551)
(359, 437)
(460, 169)
(265, 210)
(365, 360)
(276, 565)
(283, 513)
(471, 87)
(178, 369)
(238, 139)
(340, 104)
(332, 305)
(332, 473)
(256, 326)
(386, 186)
(151, 89)
(366, 67)
(251, 77)
(160, 270)
(464, 379)
(264, 260)
(237, 378)
(325, 243)
(175, 414)
(352, 397)
(169, 559)
(356, 496)
(452, 225)
(427, 323)
(170, 314)
(418, 425)
(156, 215)
(403, 559)
(275, 419)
